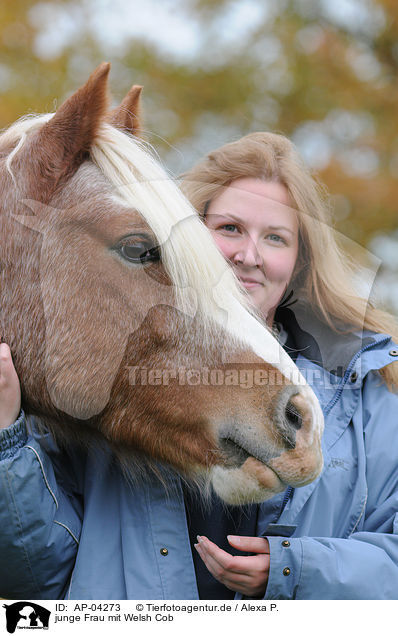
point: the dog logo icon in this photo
(26, 615)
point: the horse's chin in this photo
(252, 482)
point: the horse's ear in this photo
(127, 116)
(62, 144)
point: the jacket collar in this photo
(310, 338)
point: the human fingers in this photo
(215, 559)
(5, 359)
(258, 545)
(245, 574)
(214, 556)
(8, 375)
(221, 561)
(10, 392)
(227, 577)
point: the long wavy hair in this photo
(324, 273)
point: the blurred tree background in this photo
(324, 73)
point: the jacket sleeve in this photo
(40, 521)
(364, 565)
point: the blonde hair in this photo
(323, 272)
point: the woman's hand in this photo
(10, 392)
(245, 574)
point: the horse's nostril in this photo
(293, 416)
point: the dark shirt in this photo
(216, 520)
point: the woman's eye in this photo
(139, 252)
(276, 238)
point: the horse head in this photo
(125, 321)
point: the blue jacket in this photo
(73, 527)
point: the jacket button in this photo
(393, 352)
(286, 571)
(286, 544)
(164, 551)
(353, 377)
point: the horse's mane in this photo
(189, 256)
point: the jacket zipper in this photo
(347, 374)
(289, 490)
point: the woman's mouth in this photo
(250, 283)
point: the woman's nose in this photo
(247, 254)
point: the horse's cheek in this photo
(82, 352)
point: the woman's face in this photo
(256, 229)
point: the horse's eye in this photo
(139, 252)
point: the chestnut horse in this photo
(126, 323)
